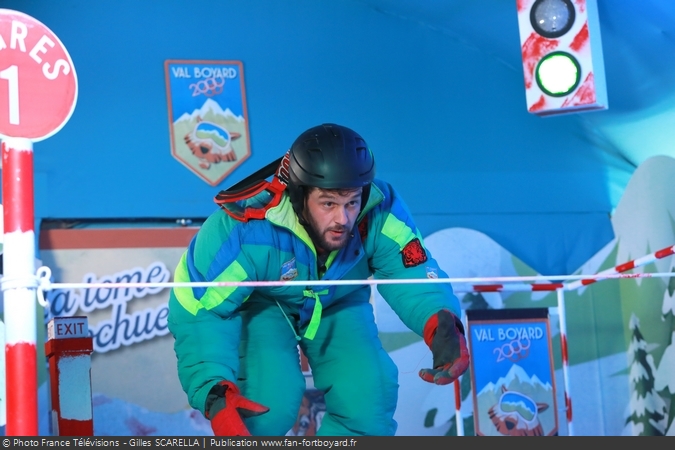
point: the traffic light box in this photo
(562, 56)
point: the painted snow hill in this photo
(644, 223)
(114, 417)
(621, 333)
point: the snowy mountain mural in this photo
(644, 222)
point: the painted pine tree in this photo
(665, 374)
(647, 410)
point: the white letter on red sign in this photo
(40, 48)
(19, 32)
(60, 64)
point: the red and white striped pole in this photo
(565, 360)
(458, 408)
(459, 422)
(644, 260)
(512, 287)
(19, 287)
(39, 99)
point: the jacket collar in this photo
(284, 216)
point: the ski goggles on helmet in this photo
(252, 197)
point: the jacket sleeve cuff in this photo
(215, 401)
(201, 397)
(430, 329)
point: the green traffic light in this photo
(558, 74)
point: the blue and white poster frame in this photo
(512, 372)
(208, 118)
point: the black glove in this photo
(444, 334)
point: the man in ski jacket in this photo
(325, 217)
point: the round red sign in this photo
(38, 84)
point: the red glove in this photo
(444, 334)
(227, 421)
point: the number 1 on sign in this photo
(11, 74)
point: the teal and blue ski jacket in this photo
(205, 321)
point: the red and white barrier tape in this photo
(623, 268)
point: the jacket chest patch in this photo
(288, 270)
(413, 253)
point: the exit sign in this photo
(67, 327)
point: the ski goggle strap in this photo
(254, 195)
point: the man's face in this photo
(331, 215)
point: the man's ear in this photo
(302, 217)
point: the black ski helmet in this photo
(329, 156)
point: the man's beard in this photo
(321, 240)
